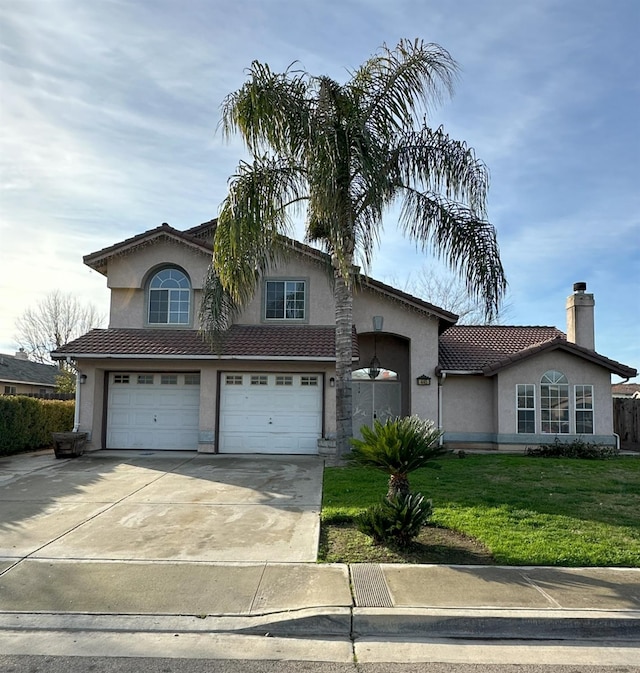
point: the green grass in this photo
(526, 511)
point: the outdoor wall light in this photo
(423, 380)
(83, 378)
(332, 382)
(374, 368)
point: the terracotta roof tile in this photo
(473, 347)
(486, 349)
(250, 341)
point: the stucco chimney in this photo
(580, 324)
(21, 355)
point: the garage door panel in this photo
(152, 415)
(270, 418)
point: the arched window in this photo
(554, 402)
(169, 298)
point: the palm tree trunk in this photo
(398, 485)
(343, 292)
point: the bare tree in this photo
(59, 318)
(448, 291)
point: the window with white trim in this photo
(285, 300)
(169, 298)
(233, 380)
(308, 380)
(145, 379)
(584, 409)
(259, 380)
(554, 403)
(169, 379)
(526, 407)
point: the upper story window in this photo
(285, 300)
(169, 298)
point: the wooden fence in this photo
(626, 422)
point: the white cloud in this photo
(109, 116)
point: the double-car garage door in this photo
(258, 412)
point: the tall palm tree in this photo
(345, 153)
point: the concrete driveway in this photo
(160, 506)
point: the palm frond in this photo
(270, 111)
(253, 218)
(398, 84)
(217, 310)
(465, 242)
(433, 162)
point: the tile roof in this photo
(488, 348)
(473, 347)
(17, 370)
(97, 260)
(262, 342)
(626, 389)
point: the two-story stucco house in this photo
(152, 382)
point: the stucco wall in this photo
(320, 306)
(92, 401)
(128, 275)
(577, 371)
(422, 332)
(468, 404)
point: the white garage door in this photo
(153, 411)
(270, 413)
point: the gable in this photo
(488, 349)
(101, 260)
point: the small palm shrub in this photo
(398, 447)
(397, 520)
(577, 448)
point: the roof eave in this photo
(212, 357)
(98, 260)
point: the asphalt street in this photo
(30, 664)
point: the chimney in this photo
(580, 325)
(21, 355)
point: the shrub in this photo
(398, 447)
(577, 448)
(397, 520)
(27, 423)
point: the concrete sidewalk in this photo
(300, 599)
(61, 579)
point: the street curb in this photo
(306, 622)
(359, 623)
(520, 624)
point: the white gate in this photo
(374, 400)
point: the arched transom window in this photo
(169, 298)
(554, 402)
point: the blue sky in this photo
(109, 114)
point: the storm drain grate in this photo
(370, 588)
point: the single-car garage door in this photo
(153, 411)
(270, 413)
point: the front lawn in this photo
(511, 510)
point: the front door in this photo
(374, 400)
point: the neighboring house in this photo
(626, 390)
(20, 376)
(153, 383)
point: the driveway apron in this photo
(163, 506)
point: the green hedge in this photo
(27, 423)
